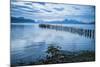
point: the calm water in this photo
(29, 42)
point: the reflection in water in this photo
(29, 42)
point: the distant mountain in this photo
(21, 20)
(67, 21)
(76, 22)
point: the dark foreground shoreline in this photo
(61, 57)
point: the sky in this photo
(41, 11)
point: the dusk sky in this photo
(53, 12)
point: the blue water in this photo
(29, 42)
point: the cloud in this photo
(46, 10)
(59, 9)
(52, 11)
(41, 3)
(28, 3)
(76, 8)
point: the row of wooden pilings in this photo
(82, 32)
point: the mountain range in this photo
(66, 21)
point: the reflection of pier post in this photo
(93, 33)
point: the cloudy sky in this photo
(40, 11)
